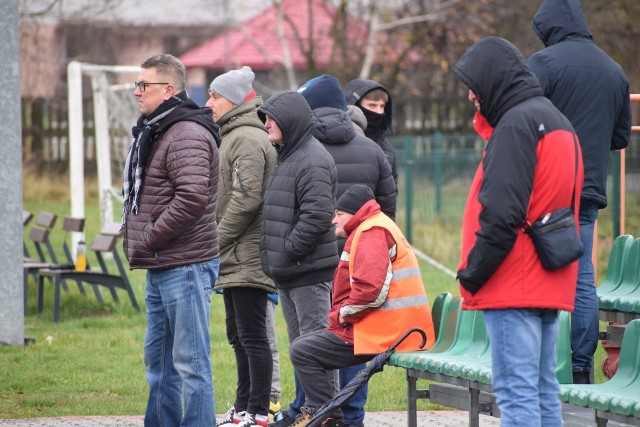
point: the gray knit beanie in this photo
(234, 85)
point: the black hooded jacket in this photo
(514, 167)
(586, 85)
(358, 159)
(298, 242)
(354, 91)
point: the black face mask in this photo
(376, 124)
(375, 120)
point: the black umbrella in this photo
(375, 365)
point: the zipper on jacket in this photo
(236, 170)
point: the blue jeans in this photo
(177, 352)
(523, 362)
(305, 309)
(353, 409)
(584, 319)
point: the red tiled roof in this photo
(257, 44)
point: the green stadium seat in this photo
(438, 309)
(630, 280)
(617, 257)
(620, 393)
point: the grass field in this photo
(91, 363)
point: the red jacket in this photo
(377, 287)
(532, 165)
(520, 280)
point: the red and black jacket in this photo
(528, 170)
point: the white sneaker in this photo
(251, 420)
(231, 418)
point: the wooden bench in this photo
(101, 245)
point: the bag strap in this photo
(575, 175)
(525, 227)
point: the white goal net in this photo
(114, 112)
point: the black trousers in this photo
(246, 313)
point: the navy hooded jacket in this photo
(586, 85)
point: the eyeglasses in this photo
(143, 85)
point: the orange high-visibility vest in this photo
(406, 305)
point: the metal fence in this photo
(435, 172)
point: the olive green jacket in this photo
(246, 161)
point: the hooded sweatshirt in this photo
(524, 174)
(586, 85)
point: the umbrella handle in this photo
(409, 332)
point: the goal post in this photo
(115, 111)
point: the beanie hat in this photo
(234, 85)
(324, 91)
(354, 198)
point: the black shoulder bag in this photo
(554, 235)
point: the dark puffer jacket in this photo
(357, 89)
(176, 222)
(586, 86)
(298, 244)
(358, 159)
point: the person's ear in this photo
(169, 91)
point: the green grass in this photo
(91, 363)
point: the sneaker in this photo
(275, 411)
(285, 421)
(231, 418)
(334, 422)
(251, 420)
(302, 420)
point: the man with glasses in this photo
(169, 221)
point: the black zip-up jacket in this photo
(358, 159)
(298, 242)
(586, 85)
(354, 91)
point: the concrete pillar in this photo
(11, 293)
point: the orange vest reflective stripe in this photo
(406, 305)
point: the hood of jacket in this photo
(244, 114)
(556, 20)
(294, 117)
(498, 75)
(356, 89)
(189, 111)
(332, 126)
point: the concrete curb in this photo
(372, 419)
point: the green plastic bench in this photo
(448, 326)
(630, 280)
(438, 310)
(617, 257)
(621, 394)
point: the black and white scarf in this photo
(145, 133)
